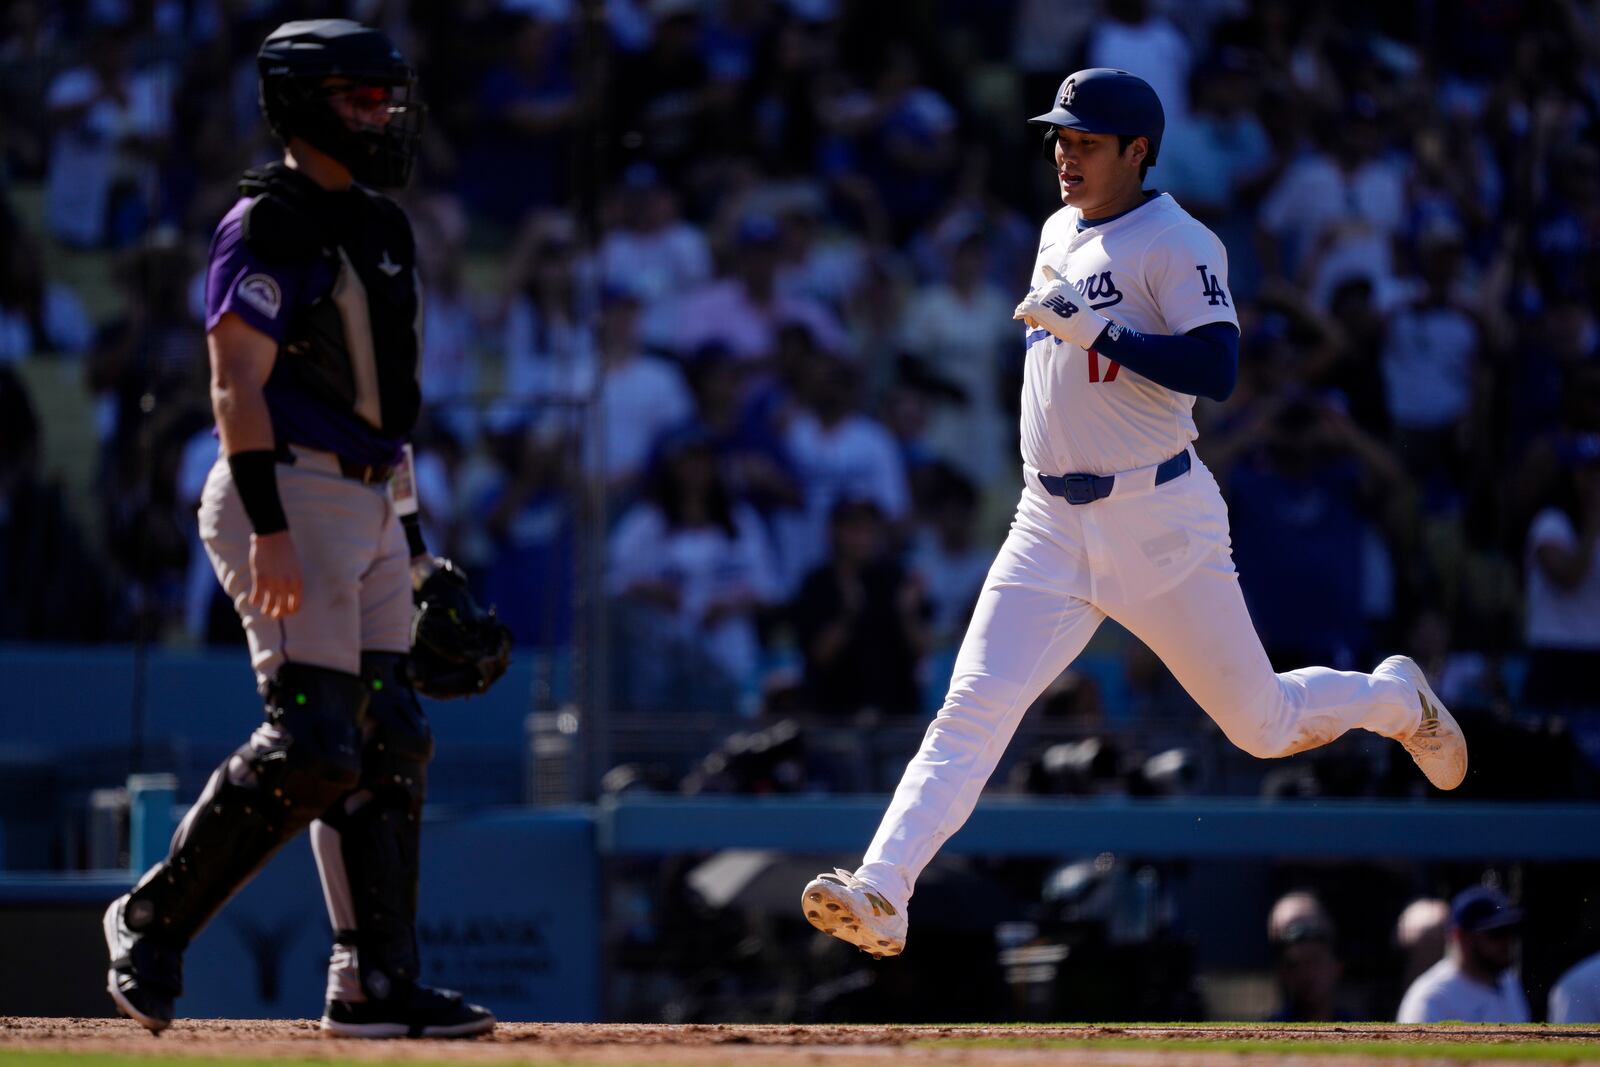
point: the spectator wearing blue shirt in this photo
(530, 521)
(1296, 506)
(528, 105)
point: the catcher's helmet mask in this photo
(1102, 100)
(305, 65)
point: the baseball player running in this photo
(1129, 319)
(312, 304)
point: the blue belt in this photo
(1087, 488)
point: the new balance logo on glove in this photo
(1052, 308)
(1060, 305)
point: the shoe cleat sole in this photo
(836, 917)
(109, 924)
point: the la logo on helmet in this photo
(1069, 92)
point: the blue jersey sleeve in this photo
(1202, 362)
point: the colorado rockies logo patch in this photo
(261, 292)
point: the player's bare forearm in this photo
(242, 418)
(241, 360)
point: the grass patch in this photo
(50, 1057)
(63, 1058)
(1542, 1050)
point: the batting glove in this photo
(1057, 307)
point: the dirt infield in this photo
(745, 1046)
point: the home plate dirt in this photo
(1341, 1045)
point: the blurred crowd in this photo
(1459, 960)
(1114, 936)
(718, 325)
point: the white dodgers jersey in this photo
(1155, 269)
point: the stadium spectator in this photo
(946, 557)
(50, 587)
(650, 248)
(1557, 355)
(1422, 933)
(1300, 501)
(1131, 37)
(147, 358)
(860, 620)
(752, 458)
(1307, 965)
(842, 454)
(110, 124)
(662, 100)
(814, 261)
(873, 313)
(1296, 906)
(527, 105)
(529, 570)
(37, 315)
(641, 396)
(28, 56)
(452, 320)
(745, 310)
(1354, 331)
(1222, 149)
(1009, 239)
(1477, 981)
(1457, 181)
(958, 327)
(907, 410)
(902, 136)
(1338, 204)
(698, 559)
(547, 339)
(1563, 587)
(1575, 998)
(1433, 369)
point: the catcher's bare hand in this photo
(275, 583)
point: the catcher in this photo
(312, 313)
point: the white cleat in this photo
(1438, 745)
(842, 905)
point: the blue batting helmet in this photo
(1102, 100)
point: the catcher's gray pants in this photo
(355, 619)
(353, 558)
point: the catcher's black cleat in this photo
(412, 1011)
(146, 974)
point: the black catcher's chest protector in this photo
(354, 347)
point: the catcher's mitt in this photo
(457, 648)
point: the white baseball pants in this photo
(1157, 560)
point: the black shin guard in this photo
(298, 762)
(367, 843)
